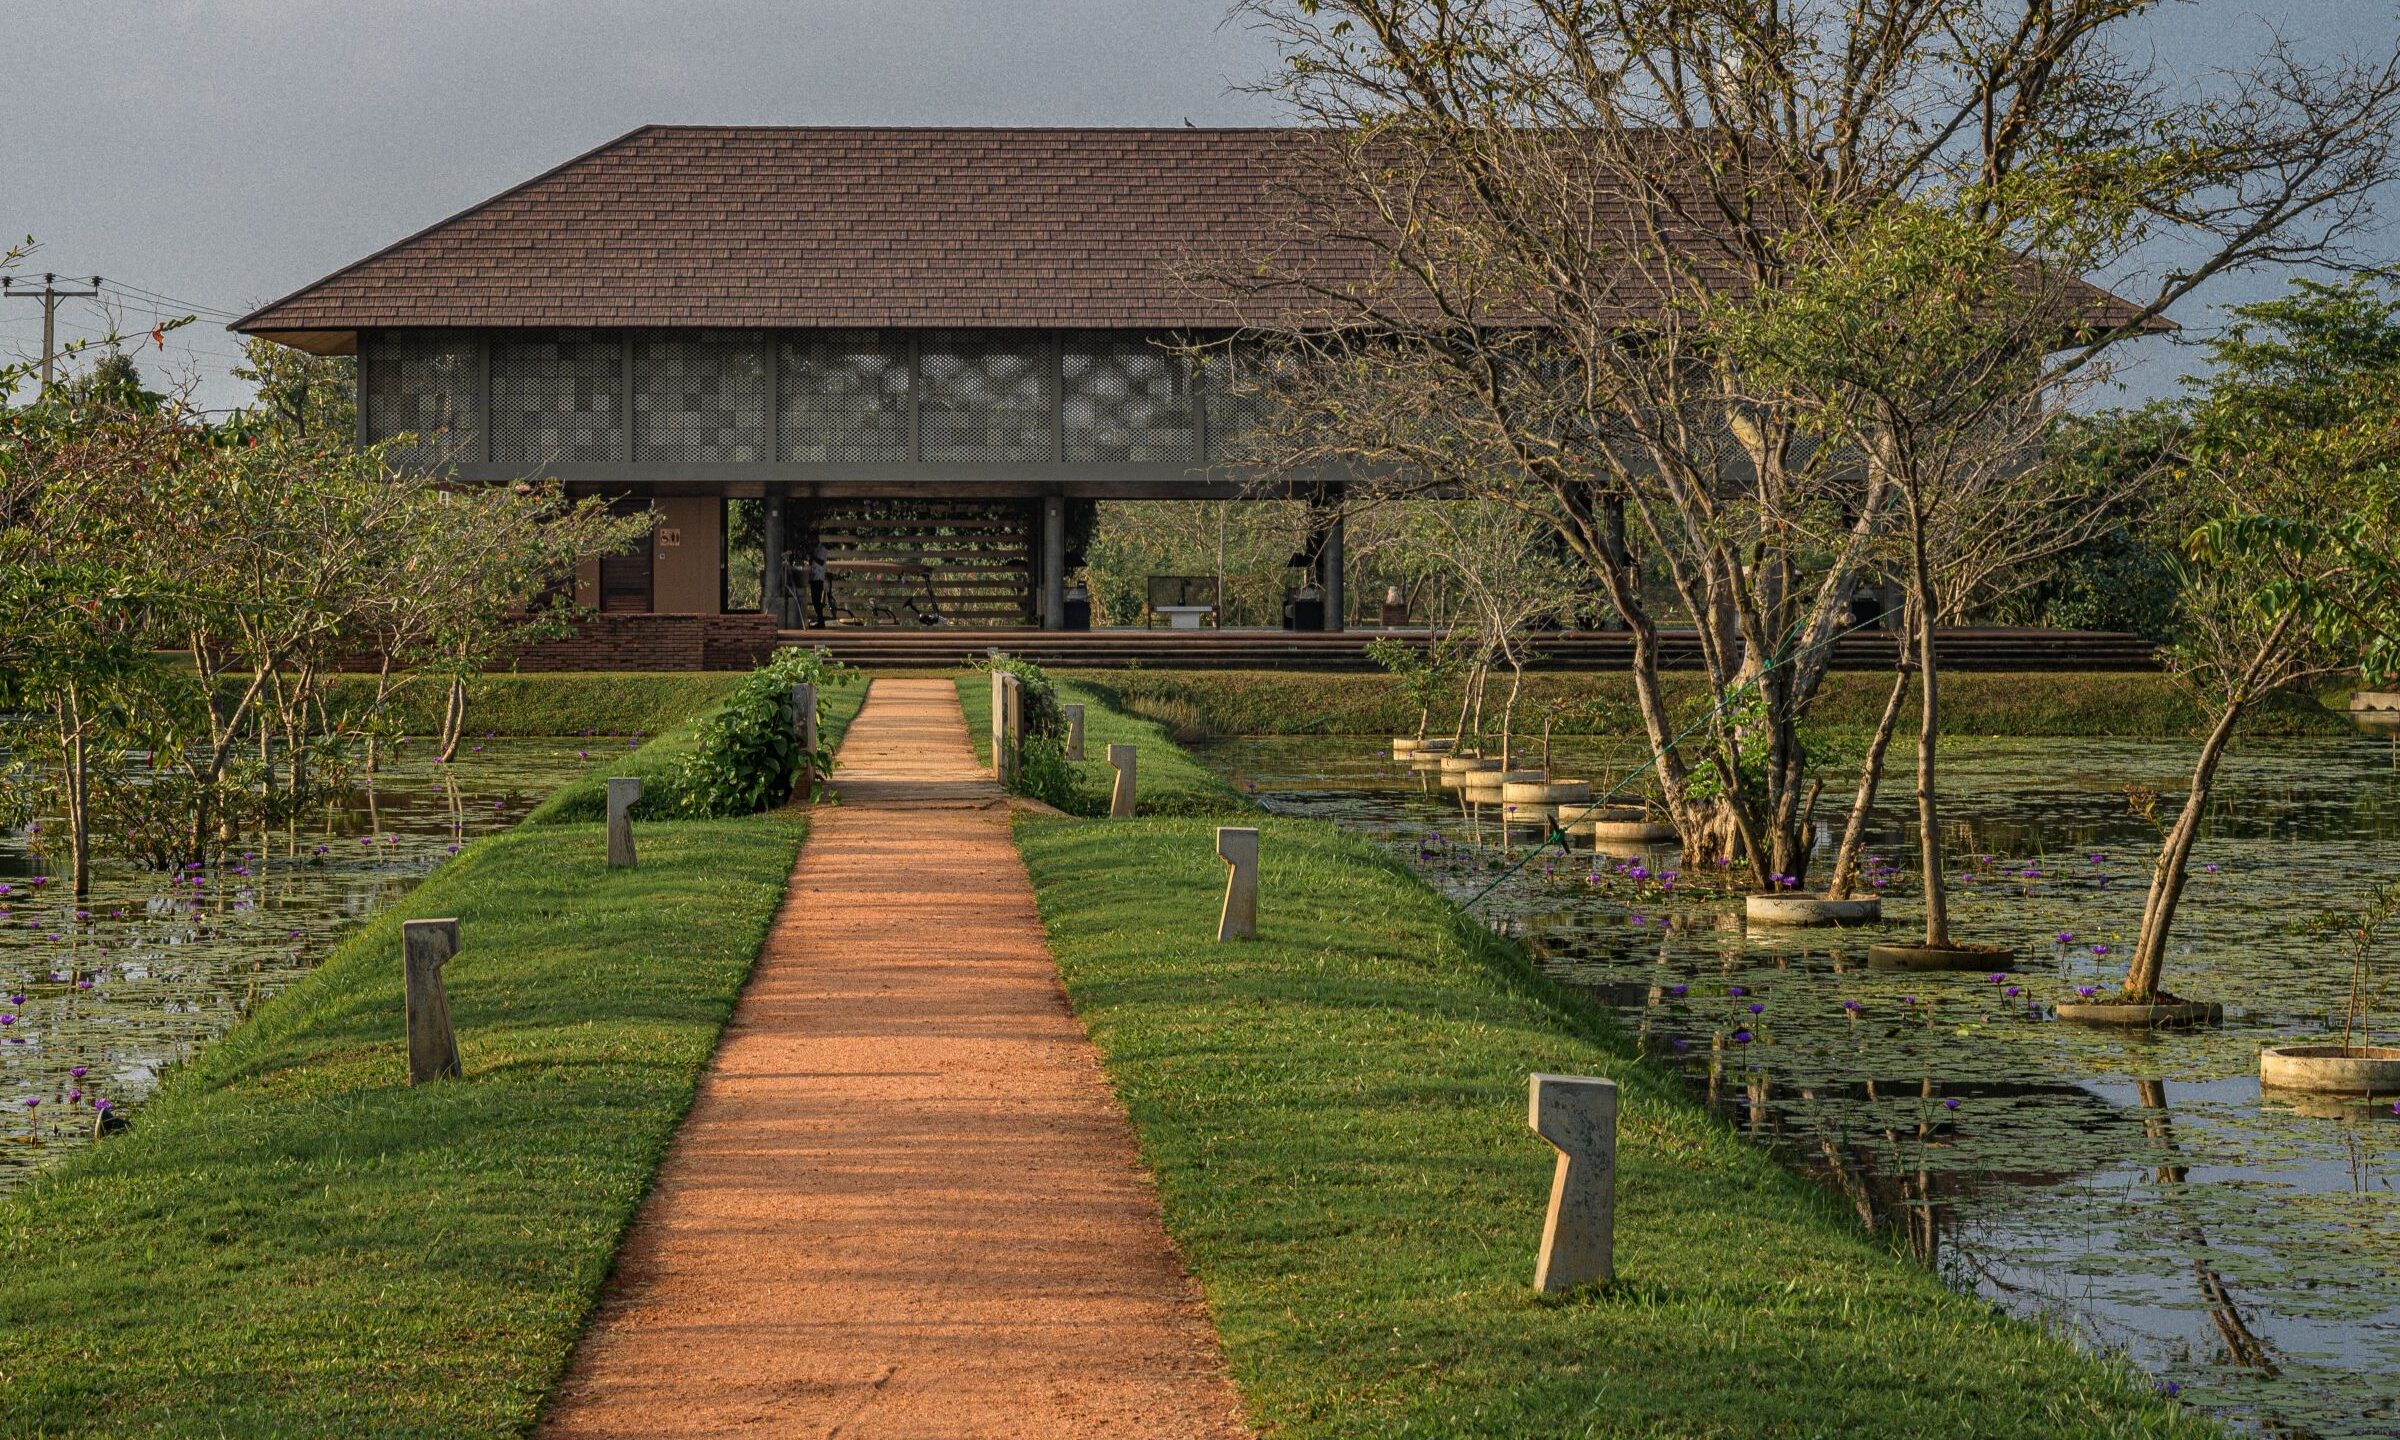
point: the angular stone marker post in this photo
(425, 947)
(1074, 718)
(623, 790)
(804, 728)
(1237, 846)
(1000, 679)
(1014, 694)
(1578, 1115)
(1120, 797)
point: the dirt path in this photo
(905, 1203)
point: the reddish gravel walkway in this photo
(905, 1203)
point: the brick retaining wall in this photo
(656, 642)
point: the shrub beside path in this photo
(905, 1202)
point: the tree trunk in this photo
(1929, 827)
(1508, 713)
(2167, 877)
(454, 718)
(75, 755)
(1870, 778)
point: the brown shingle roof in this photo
(755, 226)
(809, 227)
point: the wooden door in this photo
(625, 579)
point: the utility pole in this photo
(49, 295)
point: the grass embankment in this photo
(598, 702)
(1336, 1118)
(658, 764)
(1167, 780)
(2133, 705)
(292, 1241)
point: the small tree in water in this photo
(2292, 449)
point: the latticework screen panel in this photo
(1124, 398)
(986, 398)
(1240, 386)
(424, 385)
(701, 399)
(845, 398)
(558, 398)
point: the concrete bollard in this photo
(425, 947)
(1577, 1114)
(804, 729)
(623, 790)
(1120, 796)
(1014, 727)
(1000, 726)
(1074, 718)
(1237, 846)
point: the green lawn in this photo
(659, 763)
(1336, 1118)
(627, 702)
(1167, 780)
(291, 1241)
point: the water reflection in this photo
(103, 994)
(2133, 1188)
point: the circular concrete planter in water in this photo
(1570, 792)
(2376, 700)
(1579, 819)
(1526, 792)
(1627, 832)
(2166, 1013)
(2332, 1069)
(1785, 909)
(1941, 957)
(1459, 762)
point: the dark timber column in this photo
(1329, 563)
(1054, 562)
(770, 587)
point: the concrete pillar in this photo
(1329, 562)
(1237, 846)
(1577, 1114)
(425, 947)
(1000, 680)
(1073, 715)
(770, 589)
(1054, 562)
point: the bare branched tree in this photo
(1531, 230)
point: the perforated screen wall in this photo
(558, 399)
(701, 399)
(424, 385)
(845, 398)
(818, 397)
(985, 397)
(1125, 398)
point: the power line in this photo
(49, 295)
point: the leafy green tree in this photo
(2291, 454)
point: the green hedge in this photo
(293, 1241)
(659, 765)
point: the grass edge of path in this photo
(293, 1240)
(1335, 1119)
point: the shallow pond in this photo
(2136, 1189)
(98, 996)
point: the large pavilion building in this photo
(921, 349)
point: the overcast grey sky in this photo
(224, 152)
